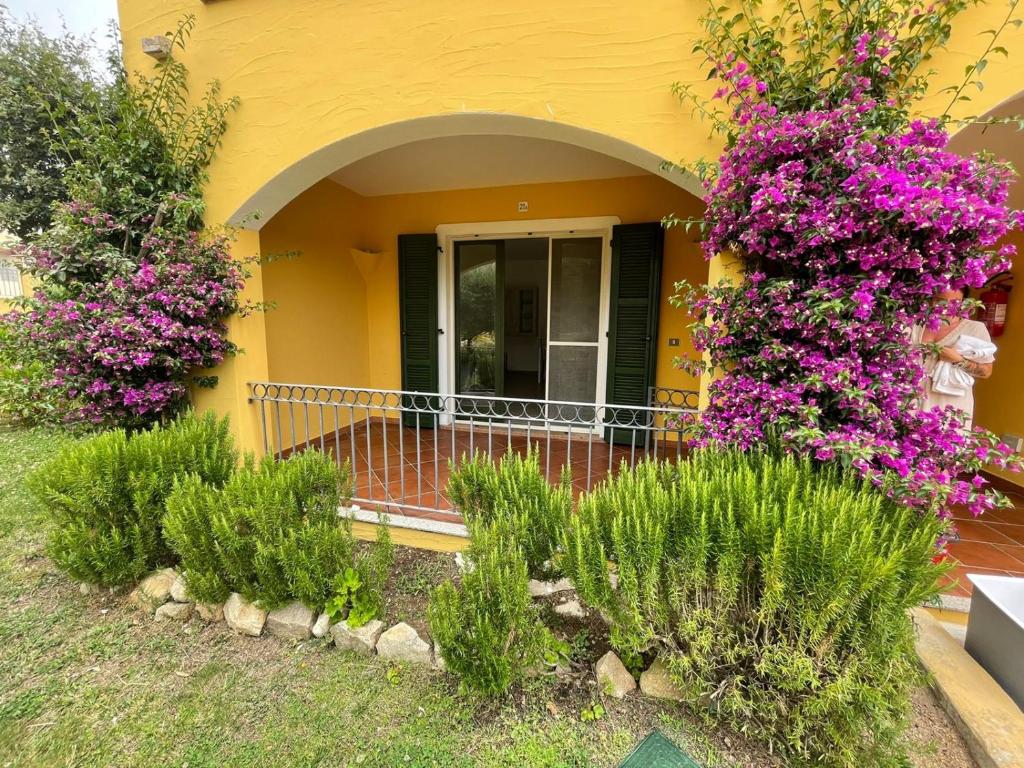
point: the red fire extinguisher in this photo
(996, 298)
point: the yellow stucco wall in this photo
(335, 319)
(231, 395)
(318, 331)
(26, 290)
(310, 73)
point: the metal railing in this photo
(687, 400)
(399, 443)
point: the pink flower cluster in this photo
(122, 347)
(846, 234)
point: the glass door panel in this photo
(478, 316)
(575, 313)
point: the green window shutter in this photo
(417, 287)
(633, 324)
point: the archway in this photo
(287, 184)
(571, 315)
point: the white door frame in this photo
(449, 234)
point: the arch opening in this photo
(287, 184)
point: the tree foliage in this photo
(132, 295)
(41, 78)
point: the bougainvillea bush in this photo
(131, 294)
(848, 216)
(123, 347)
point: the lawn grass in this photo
(85, 681)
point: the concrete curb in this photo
(955, 603)
(987, 718)
(421, 524)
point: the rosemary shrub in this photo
(776, 589)
(106, 495)
(515, 490)
(487, 629)
(271, 533)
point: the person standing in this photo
(965, 353)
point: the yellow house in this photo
(461, 200)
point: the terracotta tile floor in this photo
(407, 470)
(992, 543)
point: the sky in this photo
(82, 17)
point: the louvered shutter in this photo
(633, 325)
(417, 286)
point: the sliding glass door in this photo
(570, 340)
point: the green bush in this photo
(358, 591)
(26, 397)
(272, 533)
(515, 490)
(777, 591)
(487, 628)
(106, 495)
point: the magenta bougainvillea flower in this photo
(123, 348)
(846, 233)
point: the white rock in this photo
(403, 643)
(173, 612)
(571, 608)
(545, 588)
(154, 590)
(612, 676)
(89, 589)
(439, 663)
(656, 683)
(179, 592)
(244, 617)
(322, 625)
(361, 639)
(292, 622)
(210, 612)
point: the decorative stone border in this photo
(986, 717)
(164, 596)
(989, 721)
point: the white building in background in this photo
(12, 281)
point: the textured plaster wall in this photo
(318, 330)
(26, 290)
(313, 72)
